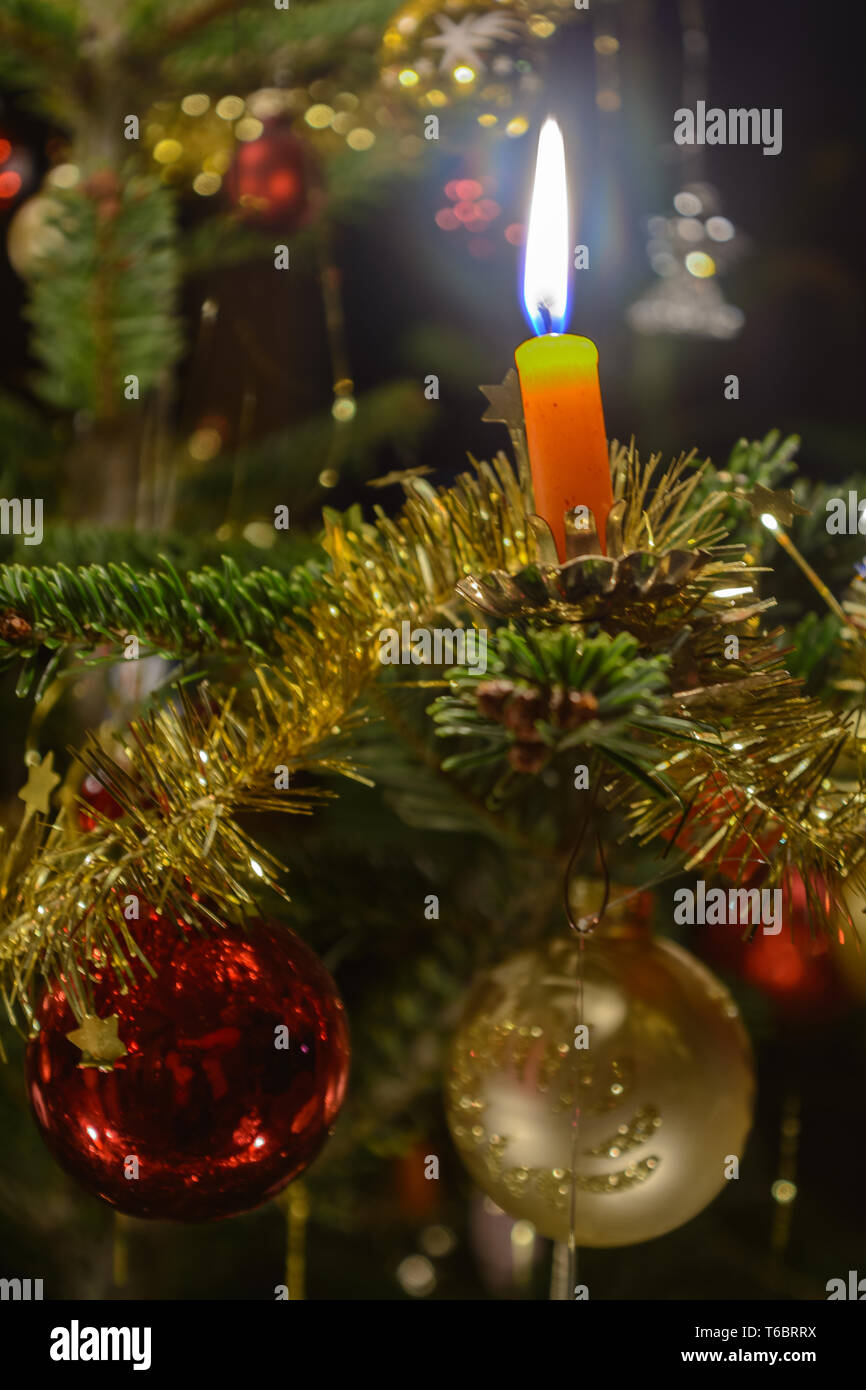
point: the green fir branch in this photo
(80, 544)
(103, 297)
(213, 611)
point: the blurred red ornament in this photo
(748, 852)
(10, 183)
(270, 178)
(16, 169)
(794, 969)
(98, 805)
(219, 1116)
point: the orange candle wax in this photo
(565, 433)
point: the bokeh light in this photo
(204, 443)
(10, 183)
(416, 1276)
(167, 151)
(230, 108)
(248, 128)
(195, 104)
(688, 204)
(699, 264)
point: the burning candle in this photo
(558, 371)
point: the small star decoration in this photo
(780, 505)
(41, 781)
(505, 402)
(400, 475)
(98, 1041)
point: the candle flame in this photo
(545, 271)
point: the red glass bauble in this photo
(793, 969)
(269, 179)
(98, 799)
(219, 1116)
(745, 858)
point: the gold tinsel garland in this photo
(188, 773)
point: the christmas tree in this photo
(315, 725)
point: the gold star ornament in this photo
(98, 1042)
(763, 501)
(41, 781)
(400, 475)
(505, 403)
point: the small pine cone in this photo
(524, 710)
(109, 208)
(14, 627)
(527, 757)
(102, 185)
(491, 697)
(558, 706)
(579, 708)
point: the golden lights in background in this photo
(416, 1274)
(342, 119)
(204, 443)
(441, 53)
(193, 142)
(784, 1189)
(607, 94)
(345, 406)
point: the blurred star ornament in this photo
(684, 307)
(220, 1075)
(440, 53)
(664, 1089)
(687, 251)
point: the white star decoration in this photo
(464, 41)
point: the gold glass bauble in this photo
(33, 234)
(664, 1087)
